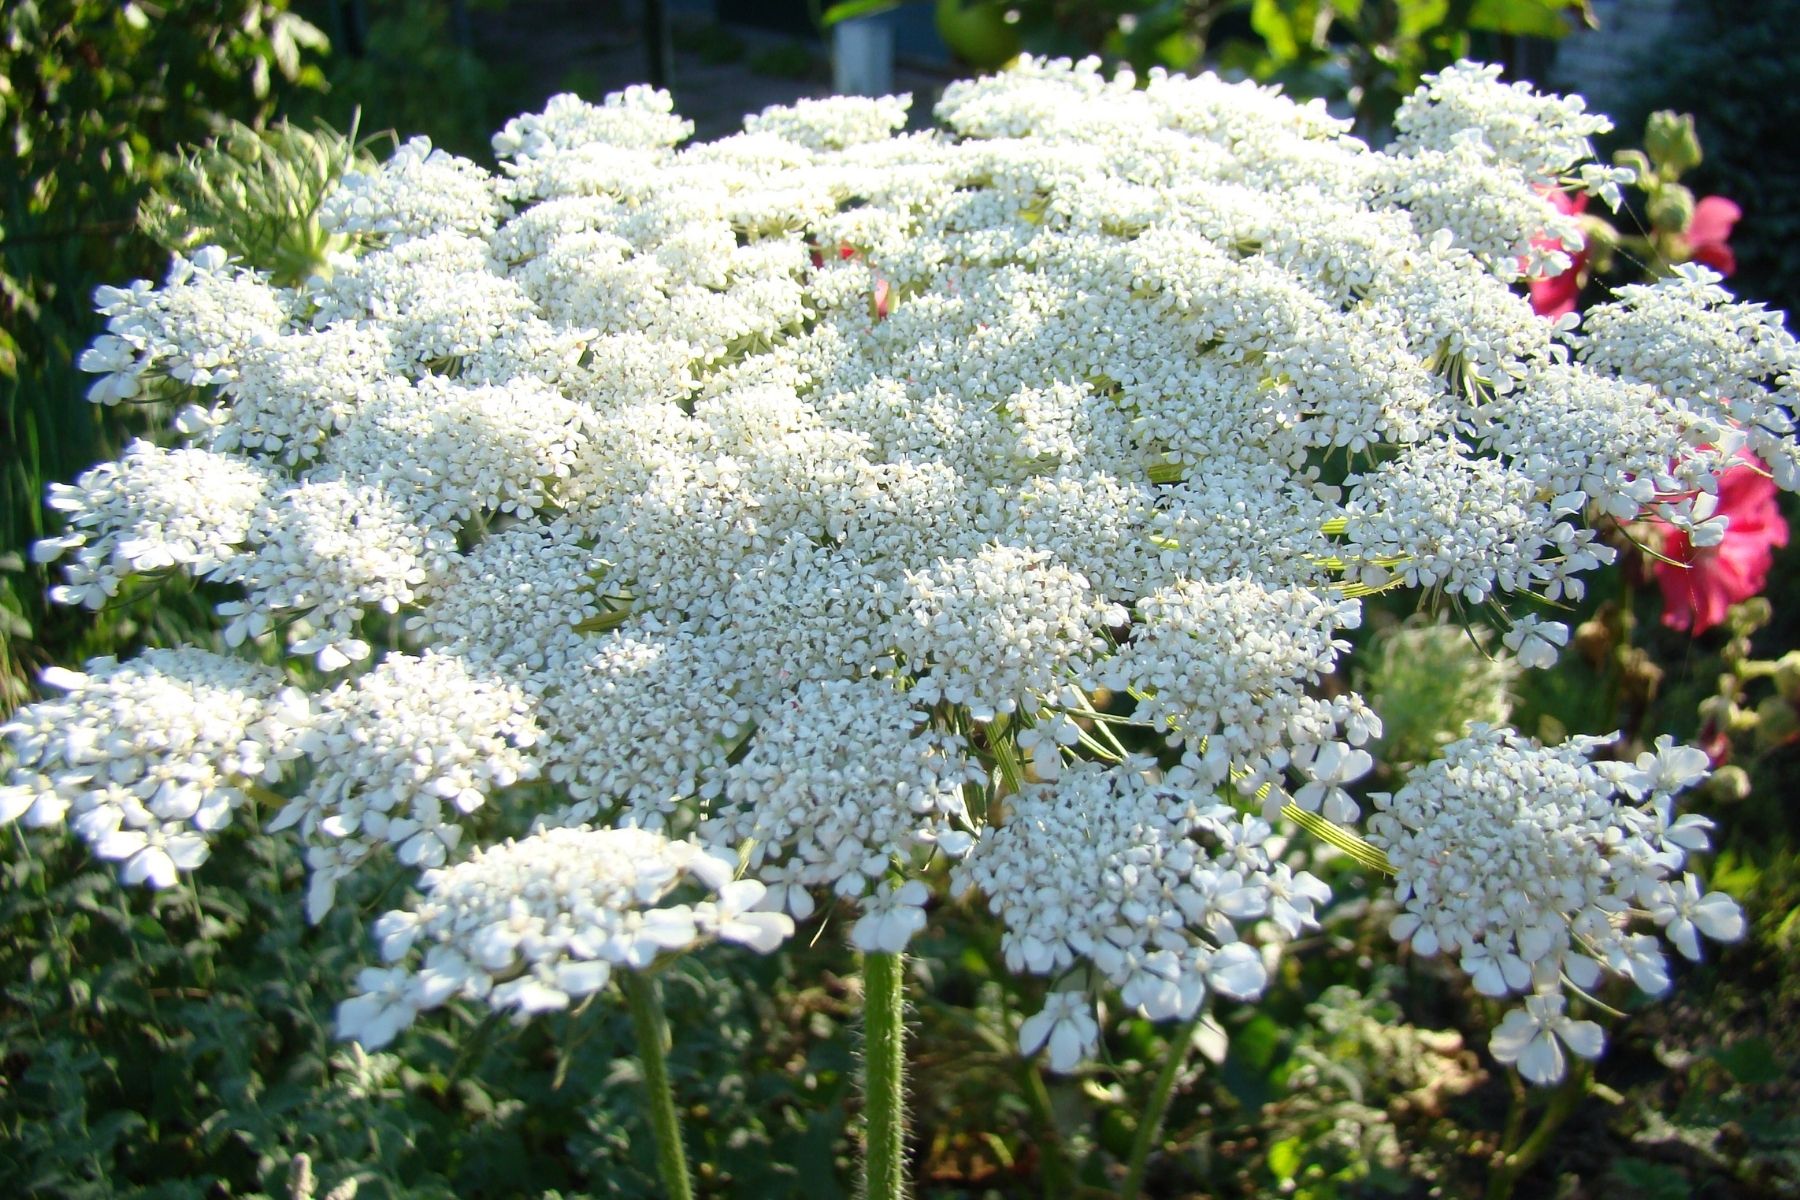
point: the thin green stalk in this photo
(1053, 1155)
(1160, 1092)
(1514, 1163)
(884, 1083)
(652, 1029)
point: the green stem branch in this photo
(652, 1029)
(884, 1084)
(1514, 1163)
(1053, 1155)
(1158, 1105)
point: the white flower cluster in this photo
(756, 489)
(842, 780)
(1223, 667)
(833, 123)
(1106, 867)
(534, 924)
(1544, 136)
(152, 510)
(393, 750)
(1474, 156)
(418, 191)
(1004, 625)
(147, 759)
(1540, 869)
(1731, 370)
(194, 329)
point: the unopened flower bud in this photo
(1787, 677)
(1595, 639)
(1750, 615)
(1670, 209)
(1639, 676)
(1673, 144)
(1777, 722)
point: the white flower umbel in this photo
(536, 924)
(1142, 884)
(400, 757)
(148, 759)
(841, 781)
(740, 476)
(152, 510)
(1540, 870)
(1004, 626)
(194, 330)
(1223, 667)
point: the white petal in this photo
(1542, 1061)
(1584, 1037)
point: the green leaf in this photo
(1522, 18)
(1647, 1180)
(1286, 26)
(850, 10)
(1751, 1061)
(1418, 17)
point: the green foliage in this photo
(93, 89)
(1732, 65)
(90, 92)
(411, 78)
(1372, 53)
(180, 1043)
(1366, 53)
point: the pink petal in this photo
(1712, 221)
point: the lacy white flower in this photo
(1066, 1024)
(152, 510)
(1532, 1038)
(1139, 882)
(534, 924)
(1534, 864)
(399, 757)
(757, 488)
(148, 759)
(843, 780)
(1006, 625)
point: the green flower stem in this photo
(652, 1029)
(1514, 1163)
(1158, 1105)
(884, 1083)
(1053, 1155)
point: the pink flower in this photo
(1708, 232)
(1710, 579)
(1559, 294)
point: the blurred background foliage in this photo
(1733, 68)
(178, 1044)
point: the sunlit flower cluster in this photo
(810, 491)
(535, 924)
(148, 760)
(1138, 883)
(1540, 869)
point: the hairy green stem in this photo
(1514, 1163)
(1158, 1105)
(652, 1029)
(884, 1084)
